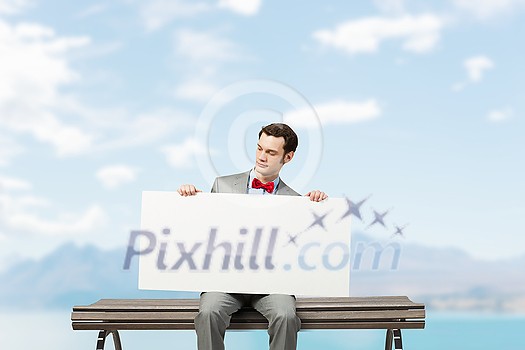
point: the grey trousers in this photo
(215, 310)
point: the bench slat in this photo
(166, 302)
(246, 326)
(248, 316)
(348, 303)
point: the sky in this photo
(415, 105)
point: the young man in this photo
(276, 147)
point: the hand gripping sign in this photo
(241, 243)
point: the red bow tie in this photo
(268, 187)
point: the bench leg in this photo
(101, 341)
(395, 335)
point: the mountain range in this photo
(442, 278)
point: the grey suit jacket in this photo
(238, 183)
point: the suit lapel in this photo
(283, 189)
(240, 182)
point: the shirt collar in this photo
(252, 176)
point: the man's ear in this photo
(288, 157)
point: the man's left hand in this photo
(316, 196)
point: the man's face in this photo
(270, 156)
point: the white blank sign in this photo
(241, 243)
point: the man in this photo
(276, 147)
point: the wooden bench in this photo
(392, 313)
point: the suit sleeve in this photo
(215, 187)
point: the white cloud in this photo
(475, 67)
(92, 10)
(34, 68)
(182, 155)
(34, 61)
(195, 90)
(484, 9)
(154, 125)
(23, 212)
(10, 7)
(114, 176)
(335, 112)
(10, 183)
(500, 115)
(118, 128)
(242, 7)
(390, 6)
(459, 86)
(157, 13)
(418, 33)
(204, 53)
(90, 219)
(130, 131)
(202, 46)
(18, 214)
(66, 139)
(8, 149)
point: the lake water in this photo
(52, 330)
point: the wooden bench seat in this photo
(392, 313)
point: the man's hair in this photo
(282, 130)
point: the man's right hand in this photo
(188, 190)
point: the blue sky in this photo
(419, 104)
